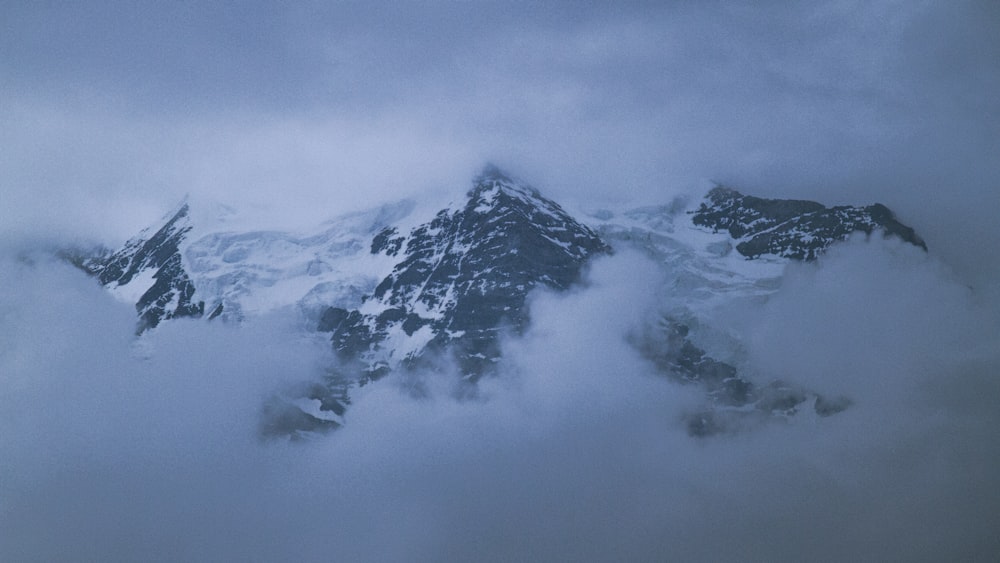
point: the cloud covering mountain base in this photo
(114, 448)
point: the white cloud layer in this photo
(119, 451)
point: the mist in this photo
(120, 448)
(117, 449)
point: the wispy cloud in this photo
(575, 453)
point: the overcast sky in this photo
(303, 109)
(118, 449)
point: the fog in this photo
(117, 448)
(121, 450)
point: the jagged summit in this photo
(464, 277)
(796, 229)
(166, 291)
(492, 177)
(491, 172)
(494, 188)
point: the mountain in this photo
(462, 279)
(795, 229)
(394, 291)
(149, 270)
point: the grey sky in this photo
(300, 107)
(305, 105)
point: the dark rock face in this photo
(464, 277)
(281, 418)
(796, 229)
(734, 400)
(172, 292)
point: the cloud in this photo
(115, 449)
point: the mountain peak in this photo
(493, 178)
(464, 277)
(721, 192)
(777, 226)
(490, 173)
(154, 256)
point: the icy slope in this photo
(247, 273)
(188, 270)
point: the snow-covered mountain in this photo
(795, 229)
(150, 272)
(462, 278)
(398, 291)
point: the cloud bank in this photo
(118, 450)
